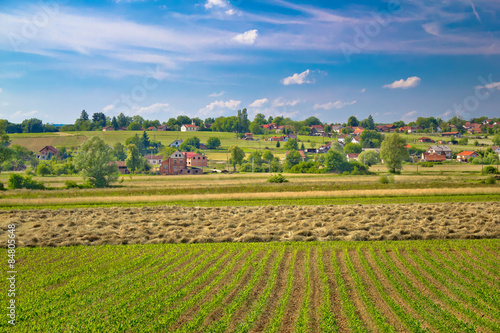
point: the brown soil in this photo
(296, 295)
(174, 224)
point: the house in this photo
(358, 131)
(249, 136)
(122, 168)
(176, 164)
(176, 143)
(441, 150)
(278, 138)
(337, 128)
(152, 128)
(196, 160)
(154, 159)
(385, 128)
(163, 128)
(432, 157)
(208, 126)
(356, 140)
(269, 127)
(325, 148)
(46, 153)
(292, 136)
(425, 139)
(487, 121)
(410, 129)
(352, 157)
(466, 155)
(342, 138)
(107, 129)
(190, 128)
(317, 130)
(496, 150)
(455, 134)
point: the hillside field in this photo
(407, 286)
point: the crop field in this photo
(175, 224)
(411, 286)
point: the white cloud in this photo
(432, 28)
(410, 116)
(23, 115)
(297, 78)
(259, 103)
(280, 102)
(490, 86)
(333, 105)
(230, 12)
(215, 3)
(410, 82)
(219, 94)
(108, 108)
(220, 106)
(362, 90)
(154, 108)
(247, 38)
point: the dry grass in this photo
(246, 196)
(173, 224)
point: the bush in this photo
(384, 180)
(71, 184)
(490, 180)
(15, 181)
(2, 187)
(490, 170)
(18, 181)
(427, 164)
(43, 170)
(279, 178)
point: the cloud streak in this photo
(410, 82)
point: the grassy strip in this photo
(302, 324)
(257, 310)
(377, 316)
(275, 324)
(411, 323)
(353, 319)
(328, 321)
(276, 202)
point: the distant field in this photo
(407, 286)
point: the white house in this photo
(190, 128)
(176, 143)
(440, 150)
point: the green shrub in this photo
(427, 164)
(490, 170)
(2, 187)
(43, 170)
(71, 184)
(15, 181)
(490, 180)
(384, 180)
(279, 178)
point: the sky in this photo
(395, 60)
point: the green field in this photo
(411, 286)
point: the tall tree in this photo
(119, 151)
(5, 151)
(114, 123)
(134, 160)
(393, 152)
(352, 121)
(95, 161)
(291, 144)
(84, 116)
(237, 155)
(99, 119)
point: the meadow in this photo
(406, 286)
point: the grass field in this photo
(410, 286)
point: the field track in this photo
(175, 224)
(407, 286)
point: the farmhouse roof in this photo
(467, 153)
(441, 148)
(352, 156)
(190, 154)
(433, 157)
(50, 148)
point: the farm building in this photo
(466, 155)
(196, 160)
(425, 139)
(46, 153)
(176, 164)
(154, 159)
(455, 134)
(441, 150)
(122, 168)
(190, 128)
(317, 130)
(176, 143)
(433, 157)
(163, 128)
(107, 129)
(352, 157)
(249, 136)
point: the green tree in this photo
(369, 157)
(190, 144)
(336, 162)
(119, 151)
(291, 144)
(32, 125)
(393, 152)
(5, 151)
(84, 116)
(134, 160)
(95, 162)
(496, 140)
(43, 170)
(352, 121)
(134, 126)
(268, 156)
(114, 123)
(237, 155)
(213, 142)
(292, 158)
(278, 144)
(353, 148)
(255, 128)
(312, 121)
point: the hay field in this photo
(175, 224)
(417, 286)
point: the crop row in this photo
(303, 287)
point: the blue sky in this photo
(208, 58)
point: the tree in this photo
(237, 155)
(496, 140)
(43, 170)
(255, 128)
(352, 121)
(114, 123)
(291, 144)
(134, 127)
(393, 152)
(99, 119)
(312, 121)
(134, 161)
(119, 151)
(327, 129)
(95, 161)
(145, 142)
(123, 121)
(268, 156)
(371, 139)
(84, 116)
(213, 142)
(5, 151)
(369, 157)
(353, 148)
(278, 144)
(260, 119)
(32, 125)
(193, 142)
(336, 162)
(292, 158)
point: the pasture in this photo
(410, 286)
